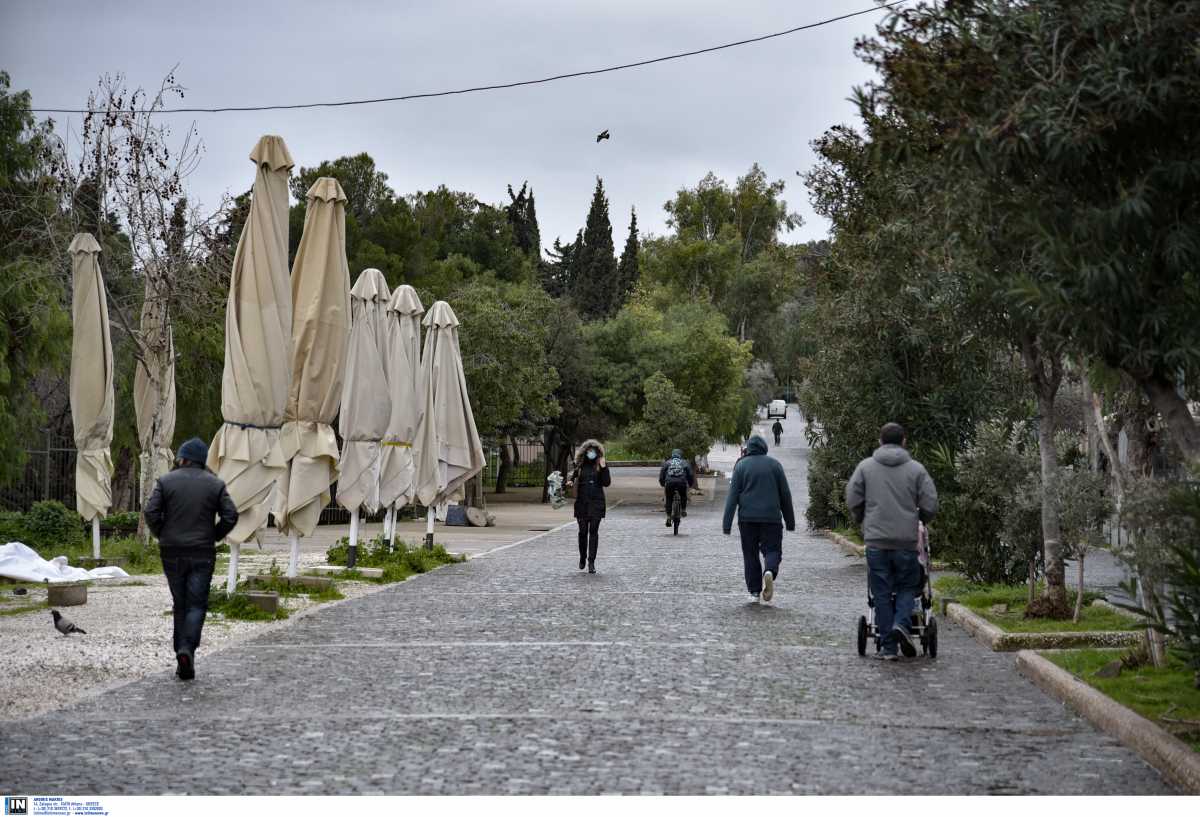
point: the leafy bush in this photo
(668, 423)
(52, 524)
(237, 606)
(397, 564)
(125, 522)
(140, 558)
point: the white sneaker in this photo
(768, 591)
(754, 598)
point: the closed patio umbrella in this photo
(366, 402)
(403, 362)
(246, 452)
(92, 396)
(448, 451)
(159, 365)
(320, 338)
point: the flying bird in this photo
(64, 625)
(603, 135)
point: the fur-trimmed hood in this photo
(584, 446)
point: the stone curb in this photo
(999, 640)
(1172, 758)
(853, 548)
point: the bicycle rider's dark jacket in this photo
(759, 489)
(590, 481)
(190, 511)
(689, 475)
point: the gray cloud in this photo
(671, 123)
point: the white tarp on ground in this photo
(23, 563)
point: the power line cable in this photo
(500, 86)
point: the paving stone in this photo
(517, 673)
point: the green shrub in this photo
(122, 522)
(397, 564)
(667, 423)
(140, 558)
(12, 528)
(239, 607)
(51, 524)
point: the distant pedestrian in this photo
(676, 476)
(189, 512)
(890, 494)
(777, 430)
(760, 495)
(589, 479)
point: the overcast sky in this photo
(670, 123)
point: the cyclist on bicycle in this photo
(676, 476)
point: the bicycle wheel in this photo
(675, 514)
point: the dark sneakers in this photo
(591, 568)
(185, 670)
(582, 562)
(905, 641)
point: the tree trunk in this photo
(1174, 410)
(1032, 581)
(1046, 370)
(504, 470)
(473, 492)
(1079, 592)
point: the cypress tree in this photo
(595, 282)
(522, 215)
(627, 271)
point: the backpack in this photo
(677, 470)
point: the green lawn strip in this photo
(398, 564)
(851, 534)
(1151, 692)
(980, 598)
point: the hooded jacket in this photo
(759, 489)
(590, 481)
(689, 476)
(888, 494)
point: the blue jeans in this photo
(188, 578)
(888, 572)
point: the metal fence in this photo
(49, 473)
(528, 466)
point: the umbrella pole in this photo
(389, 526)
(294, 558)
(352, 556)
(231, 583)
(429, 517)
(95, 536)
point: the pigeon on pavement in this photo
(603, 135)
(64, 625)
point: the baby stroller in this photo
(922, 623)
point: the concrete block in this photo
(307, 582)
(266, 601)
(66, 594)
(337, 570)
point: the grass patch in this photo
(279, 584)
(851, 534)
(1152, 692)
(239, 607)
(25, 608)
(980, 598)
(397, 564)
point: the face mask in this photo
(591, 455)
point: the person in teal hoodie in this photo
(760, 495)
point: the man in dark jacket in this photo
(777, 430)
(889, 493)
(759, 493)
(189, 512)
(676, 476)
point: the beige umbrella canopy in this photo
(403, 362)
(448, 452)
(320, 338)
(91, 380)
(155, 443)
(246, 452)
(366, 406)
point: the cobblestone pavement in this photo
(517, 673)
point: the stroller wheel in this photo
(931, 639)
(862, 635)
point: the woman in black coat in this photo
(589, 479)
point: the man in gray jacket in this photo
(889, 494)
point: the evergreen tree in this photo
(555, 273)
(522, 215)
(627, 271)
(595, 281)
